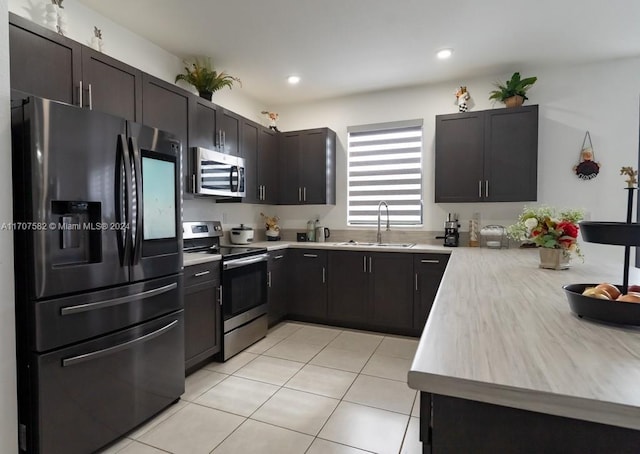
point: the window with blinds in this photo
(385, 163)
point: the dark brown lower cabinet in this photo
(372, 290)
(454, 425)
(428, 270)
(278, 284)
(201, 313)
(308, 297)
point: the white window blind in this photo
(385, 163)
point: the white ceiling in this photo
(341, 47)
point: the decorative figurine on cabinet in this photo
(273, 117)
(462, 96)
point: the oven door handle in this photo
(116, 348)
(237, 263)
(116, 301)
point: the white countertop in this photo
(340, 246)
(501, 332)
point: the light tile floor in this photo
(304, 389)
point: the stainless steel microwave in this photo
(217, 174)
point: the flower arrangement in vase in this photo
(556, 233)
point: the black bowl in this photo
(617, 312)
(618, 233)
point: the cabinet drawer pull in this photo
(313, 256)
(202, 273)
(429, 261)
(278, 257)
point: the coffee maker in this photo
(451, 235)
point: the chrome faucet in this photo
(379, 235)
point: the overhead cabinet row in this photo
(280, 168)
(487, 156)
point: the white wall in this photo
(8, 411)
(601, 98)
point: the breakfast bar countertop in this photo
(501, 332)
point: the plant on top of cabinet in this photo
(513, 92)
(205, 78)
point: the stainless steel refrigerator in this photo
(98, 259)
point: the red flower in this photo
(568, 228)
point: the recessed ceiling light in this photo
(444, 53)
(293, 79)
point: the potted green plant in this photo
(207, 80)
(513, 92)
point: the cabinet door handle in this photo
(90, 98)
(429, 261)
(220, 295)
(369, 264)
(304, 194)
(299, 194)
(202, 273)
(193, 184)
(269, 279)
(312, 256)
(264, 192)
(324, 275)
(416, 281)
(80, 95)
(486, 188)
(364, 263)
(480, 188)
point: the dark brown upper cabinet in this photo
(487, 156)
(49, 65)
(307, 167)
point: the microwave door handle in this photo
(241, 179)
(124, 199)
(137, 170)
(233, 186)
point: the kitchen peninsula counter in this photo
(501, 332)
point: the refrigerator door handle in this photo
(69, 310)
(116, 348)
(124, 199)
(137, 173)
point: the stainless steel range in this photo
(244, 285)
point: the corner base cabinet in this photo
(479, 156)
(201, 313)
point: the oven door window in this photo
(243, 289)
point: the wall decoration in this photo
(587, 168)
(207, 80)
(462, 96)
(513, 92)
(96, 40)
(273, 118)
(56, 18)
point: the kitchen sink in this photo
(359, 243)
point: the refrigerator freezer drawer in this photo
(64, 321)
(92, 393)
